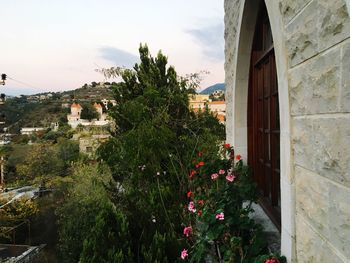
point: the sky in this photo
(56, 45)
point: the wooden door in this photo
(263, 119)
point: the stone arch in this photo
(237, 115)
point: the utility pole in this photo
(3, 79)
(2, 127)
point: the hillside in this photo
(211, 89)
(39, 110)
(94, 91)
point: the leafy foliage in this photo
(150, 152)
(220, 196)
(85, 198)
(45, 162)
(14, 212)
(109, 239)
(88, 112)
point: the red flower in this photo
(201, 202)
(192, 173)
(238, 157)
(271, 260)
(200, 213)
(189, 194)
(227, 145)
(200, 154)
(200, 164)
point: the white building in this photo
(29, 131)
(74, 119)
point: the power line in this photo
(23, 83)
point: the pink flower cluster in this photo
(220, 216)
(184, 254)
(230, 177)
(191, 207)
(214, 176)
(188, 231)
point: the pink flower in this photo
(214, 176)
(221, 171)
(220, 216)
(184, 254)
(191, 207)
(188, 231)
(230, 178)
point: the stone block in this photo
(312, 199)
(315, 86)
(311, 247)
(302, 143)
(290, 8)
(301, 35)
(345, 76)
(333, 23)
(331, 148)
(339, 217)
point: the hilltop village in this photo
(44, 138)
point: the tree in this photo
(152, 150)
(86, 197)
(109, 239)
(88, 112)
(41, 165)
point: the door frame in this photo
(237, 80)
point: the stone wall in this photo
(313, 44)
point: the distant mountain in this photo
(211, 89)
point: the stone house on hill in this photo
(288, 113)
(74, 118)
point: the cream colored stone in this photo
(302, 143)
(312, 199)
(333, 23)
(315, 86)
(339, 218)
(311, 248)
(345, 87)
(301, 33)
(331, 148)
(289, 8)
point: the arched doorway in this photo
(239, 43)
(263, 124)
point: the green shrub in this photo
(217, 223)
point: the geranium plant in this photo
(217, 225)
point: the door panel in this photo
(263, 118)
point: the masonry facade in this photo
(311, 45)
